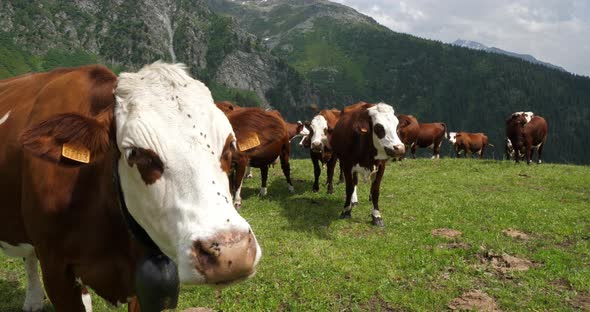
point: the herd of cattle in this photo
(130, 185)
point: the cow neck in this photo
(137, 231)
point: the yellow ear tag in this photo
(251, 142)
(76, 152)
(364, 130)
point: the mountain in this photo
(349, 57)
(40, 35)
(478, 46)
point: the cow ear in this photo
(330, 130)
(69, 139)
(307, 124)
(228, 150)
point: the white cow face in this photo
(385, 138)
(318, 130)
(171, 137)
(453, 137)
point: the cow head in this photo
(384, 125)
(318, 133)
(527, 115)
(453, 137)
(171, 140)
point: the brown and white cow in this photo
(469, 143)
(363, 139)
(320, 149)
(415, 134)
(262, 137)
(67, 133)
(526, 136)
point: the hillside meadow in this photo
(523, 243)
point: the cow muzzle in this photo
(228, 257)
(317, 147)
(395, 151)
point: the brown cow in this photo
(363, 139)
(262, 137)
(415, 134)
(469, 143)
(320, 131)
(66, 134)
(526, 136)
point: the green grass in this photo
(312, 261)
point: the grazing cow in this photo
(363, 139)
(414, 134)
(320, 131)
(472, 143)
(262, 137)
(526, 136)
(85, 158)
(227, 107)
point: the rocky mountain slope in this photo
(482, 47)
(128, 34)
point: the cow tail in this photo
(445, 127)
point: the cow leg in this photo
(540, 152)
(377, 220)
(60, 283)
(248, 173)
(86, 299)
(529, 154)
(346, 212)
(436, 150)
(286, 167)
(34, 298)
(317, 170)
(264, 177)
(414, 151)
(483, 148)
(354, 198)
(330, 174)
(237, 180)
(340, 176)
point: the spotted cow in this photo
(87, 159)
(364, 138)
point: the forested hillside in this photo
(350, 58)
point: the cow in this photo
(526, 136)
(262, 137)
(320, 149)
(469, 143)
(364, 138)
(99, 171)
(295, 130)
(414, 134)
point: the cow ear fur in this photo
(87, 137)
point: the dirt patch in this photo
(582, 301)
(474, 300)
(463, 246)
(506, 263)
(376, 303)
(198, 310)
(516, 234)
(446, 233)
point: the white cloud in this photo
(554, 31)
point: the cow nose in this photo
(316, 146)
(395, 151)
(227, 257)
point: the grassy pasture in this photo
(312, 261)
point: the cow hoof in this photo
(539, 162)
(263, 191)
(33, 304)
(378, 221)
(315, 189)
(291, 189)
(354, 204)
(249, 176)
(346, 214)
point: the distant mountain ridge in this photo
(479, 46)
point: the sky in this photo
(554, 31)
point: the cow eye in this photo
(379, 130)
